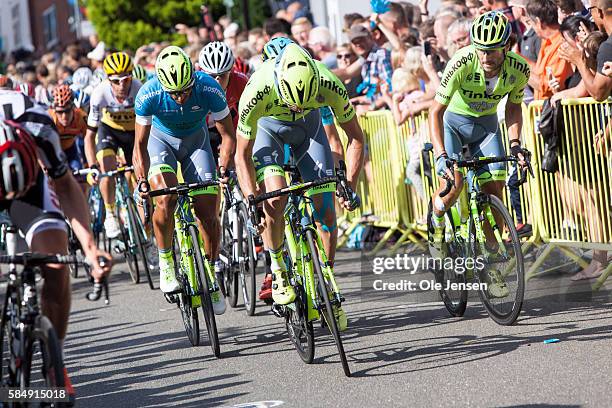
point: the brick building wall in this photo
(49, 20)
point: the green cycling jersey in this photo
(463, 86)
(260, 99)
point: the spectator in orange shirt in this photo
(550, 67)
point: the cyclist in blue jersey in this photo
(171, 112)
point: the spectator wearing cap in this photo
(375, 71)
(321, 43)
(96, 56)
(550, 67)
(300, 30)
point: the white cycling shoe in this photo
(111, 226)
(218, 302)
(167, 277)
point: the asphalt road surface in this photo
(135, 353)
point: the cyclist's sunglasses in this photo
(222, 74)
(181, 92)
(64, 109)
(118, 80)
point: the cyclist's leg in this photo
(106, 150)
(198, 165)
(268, 157)
(162, 151)
(39, 217)
(454, 137)
(314, 160)
(487, 143)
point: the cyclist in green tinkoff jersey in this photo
(280, 106)
(464, 112)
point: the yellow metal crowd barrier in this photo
(568, 209)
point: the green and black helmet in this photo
(490, 31)
(174, 69)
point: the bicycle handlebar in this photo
(36, 259)
(480, 162)
(98, 174)
(181, 189)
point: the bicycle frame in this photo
(467, 207)
(298, 213)
(183, 217)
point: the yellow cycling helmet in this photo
(490, 30)
(296, 77)
(118, 63)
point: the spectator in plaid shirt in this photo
(375, 72)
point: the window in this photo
(50, 27)
(16, 26)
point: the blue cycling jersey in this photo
(327, 117)
(156, 107)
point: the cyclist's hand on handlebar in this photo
(517, 151)
(101, 264)
(223, 176)
(445, 167)
(351, 201)
(92, 178)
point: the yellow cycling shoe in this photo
(282, 291)
(340, 318)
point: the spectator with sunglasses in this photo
(112, 118)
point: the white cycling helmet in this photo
(81, 78)
(216, 58)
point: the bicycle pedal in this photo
(170, 297)
(278, 310)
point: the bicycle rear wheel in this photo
(246, 255)
(503, 271)
(455, 300)
(184, 301)
(140, 239)
(327, 312)
(204, 290)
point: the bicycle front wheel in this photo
(184, 299)
(140, 242)
(455, 300)
(502, 277)
(42, 355)
(246, 255)
(327, 311)
(204, 290)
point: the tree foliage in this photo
(128, 24)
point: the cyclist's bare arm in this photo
(245, 169)
(75, 207)
(436, 118)
(354, 150)
(334, 142)
(225, 127)
(514, 123)
(141, 155)
(90, 145)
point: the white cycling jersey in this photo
(105, 108)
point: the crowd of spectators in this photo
(391, 60)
